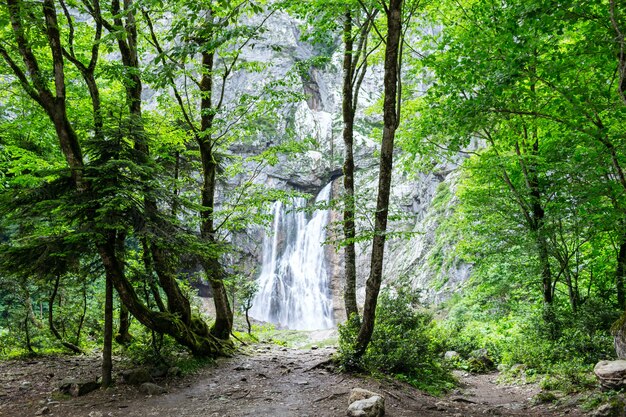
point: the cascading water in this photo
(293, 284)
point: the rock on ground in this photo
(612, 374)
(368, 407)
(364, 403)
(152, 389)
(77, 388)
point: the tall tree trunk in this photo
(212, 265)
(391, 119)
(348, 113)
(107, 362)
(213, 268)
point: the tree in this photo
(103, 214)
(393, 11)
(513, 77)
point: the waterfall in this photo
(293, 284)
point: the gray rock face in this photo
(318, 121)
(364, 403)
(611, 374)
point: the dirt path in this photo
(266, 381)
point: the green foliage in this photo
(402, 344)
(518, 334)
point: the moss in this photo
(619, 325)
(544, 397)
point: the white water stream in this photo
(293, 284)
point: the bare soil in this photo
(265, 380)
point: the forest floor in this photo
(262, 380)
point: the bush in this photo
(402, 344)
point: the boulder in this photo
(136, 376)
(480, 361)
(612, 374)
(77, 388)
(149, 388)
(364, 403)
(451, 355)
(360, 394)
(368, 407)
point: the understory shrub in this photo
(567, 347)
(402, 344)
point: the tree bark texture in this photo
(391, 118)
(107, 362)
(348, 112)
(213, 268)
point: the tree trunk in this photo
(53, 329)
(391, 118)
(123, 336)
(195, 335)
(348, 112)
(107, 363)
(215, 272)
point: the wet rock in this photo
(611, 374)
(136, 376)
(369, 407)
(364, 403)
(149, 388)
(77, 388)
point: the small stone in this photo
(149, 388)
(302, 382)
(96, 414)
(369, 407)
(42, 411)
(314, 347)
